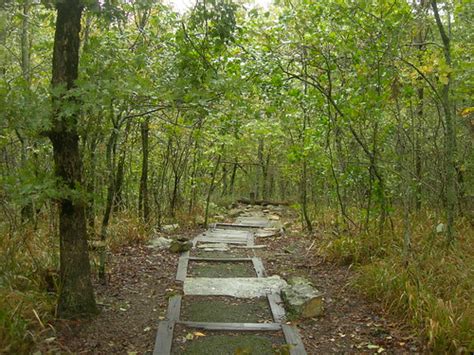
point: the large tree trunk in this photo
(76, 296)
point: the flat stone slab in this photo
(253, 221)
(243, 287)
(225, 240)
(219, 232)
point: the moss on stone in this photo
(221, 269)
(230, 345)
(225, 309)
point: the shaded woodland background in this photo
(359, 114)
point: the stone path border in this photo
(164, 337)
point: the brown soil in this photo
(349, 323)
(136, 298)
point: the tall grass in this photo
(26, 305)
(433, 291)
(29, 260)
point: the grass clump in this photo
(431, 289)
(26, 300)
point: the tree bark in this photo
(211, 188)
(143, 205)
(451, 197)
(76, 296)
(304, 175)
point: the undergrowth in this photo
(27, 257)
(29, 263)
(432, 291)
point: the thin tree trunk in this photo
(451, 197)
(76, 296)
(109, 203)
(232, 179)
(90, 185)
(143, 204)
(304, 175)
(258, 169)
(120, 174)
(224, 180)
(27, 212)
(211, 189)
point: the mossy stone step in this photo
(225, 309)
(222, 344)
(221, 269)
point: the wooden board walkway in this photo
(239, 234)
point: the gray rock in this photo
(242, 287)
(160, 243)
(441, 228)
(235, 212)
(302, 299)
(180, 245)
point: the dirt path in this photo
(349, 323)
(142, 280)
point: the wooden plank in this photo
(278, 311)
(164, 338)
(227, 233)
(293, 338)
(182, 268)
(174, 308)
(236, 225)
(226, 237)
(257, 223)
(251, 247)
(195, 258)
(258, 266)
(228, 240)
(233, 326)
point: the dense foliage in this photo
(359, 113)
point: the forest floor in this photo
(142, 278)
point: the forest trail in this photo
(146, 289)
(221, 255)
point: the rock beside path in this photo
(180, 245)
(302, 299)
(160, 243)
